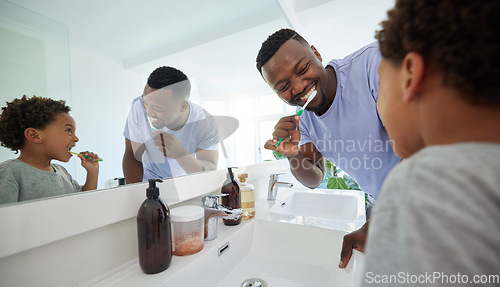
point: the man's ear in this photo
(184, 105)
(413, 75)
(318, 55)
(32, 135)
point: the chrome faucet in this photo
(213, 211)
(274, 184)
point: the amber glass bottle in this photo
(233, 200)
(154, 232)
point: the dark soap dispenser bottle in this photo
(233, 200)
(154, 232)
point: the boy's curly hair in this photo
(20, 114)
(273, 43)
(461, 38)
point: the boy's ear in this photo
(413, 74)
(318, 55)
(32, 135)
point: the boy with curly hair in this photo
(437, 219)
(43, 130)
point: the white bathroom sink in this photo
(285, 245)
(327, 208)
(281, 254)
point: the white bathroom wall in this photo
(340, 27)
(34, 59)
(102, 93)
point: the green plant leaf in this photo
(350, 182)
(328, 170)
(337, 183)
(278, 155)
(328, 164)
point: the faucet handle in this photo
(211, 200)
(274, 176)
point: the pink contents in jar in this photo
(190, 243)
(187, 230)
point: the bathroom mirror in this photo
(106, 54)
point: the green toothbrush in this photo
(151, 124)
(99, 159)
(299, 112)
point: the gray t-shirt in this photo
(20, 181)
(437, 222)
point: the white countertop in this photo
(130, 273)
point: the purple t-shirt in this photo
(350, 134)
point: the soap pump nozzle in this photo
(230, 172)
(153, 191)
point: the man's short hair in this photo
(170, 77)
(274, 42)
(461, 38)
(20, 114)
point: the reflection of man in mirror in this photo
(166, 135)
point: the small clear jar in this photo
(187, 229)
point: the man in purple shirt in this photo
(340, 124)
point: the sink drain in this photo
(254, 282)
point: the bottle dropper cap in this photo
(153, 191)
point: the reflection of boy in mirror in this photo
(42, 130)
(165, 134)
(440, 100)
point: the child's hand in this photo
(90, 163)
